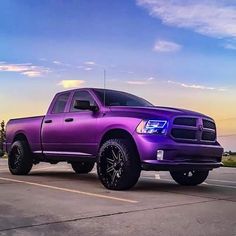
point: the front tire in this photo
(118, 164)
(189, 178)
(82, 167)
(20, 159)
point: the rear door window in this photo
(60, 103)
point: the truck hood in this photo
(154, 112)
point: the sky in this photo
(177, 53)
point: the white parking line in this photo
(208, 184)
(38, 169)
(223, 181)
(157, 176)
(46, 168)
(223, 186)
(69, 190)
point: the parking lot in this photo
(53, 200)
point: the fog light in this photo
(160, 155)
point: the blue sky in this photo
(174, 53)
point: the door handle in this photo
(69, 119)
(48, 121)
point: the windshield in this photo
(116, 98)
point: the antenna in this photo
(104, 86)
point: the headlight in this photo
(152, 127)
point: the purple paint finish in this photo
(82, 132)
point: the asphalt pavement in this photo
(53, 200)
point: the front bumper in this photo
(177, 156)
(177, 166)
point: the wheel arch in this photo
(119, 133)
(21, 137)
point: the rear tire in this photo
(20, 159)
(82, 167)
(118, 164)
(189, 178)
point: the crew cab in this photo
(120, 132)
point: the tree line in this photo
(2, 137)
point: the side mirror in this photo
(84, 105)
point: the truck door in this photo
(80, 126)
(52, 132)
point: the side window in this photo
(60, 103)
(82, 96)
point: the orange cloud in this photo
(71, 83)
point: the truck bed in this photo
(30, 127)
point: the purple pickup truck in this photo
(121, 132)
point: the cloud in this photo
(195, 86)
(166, 46)
(71, 83)
(150, 78)
(211, 18)
(140, 82)
(89, 63)
(31, 73)
(57, 62)
(230, 45)
(136, 82)
(87, 68)
(26, 69)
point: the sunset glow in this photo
(172, 53)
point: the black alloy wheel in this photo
(118, 164)
(20, 159)
(82, 167)
(190, 177)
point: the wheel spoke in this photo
(190, 174)
(16, 162)
(114, 155)
(17, 156)
(110, 161)
(109, 169)
(119, 173)
(18, 152)
(113, 177)
(119, 157)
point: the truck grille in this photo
(183, 133)
(208, 124)
(193, 129)
(208, 136)
(185, 121)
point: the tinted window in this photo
(82, 96)
(60, 103)
(116, 98)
